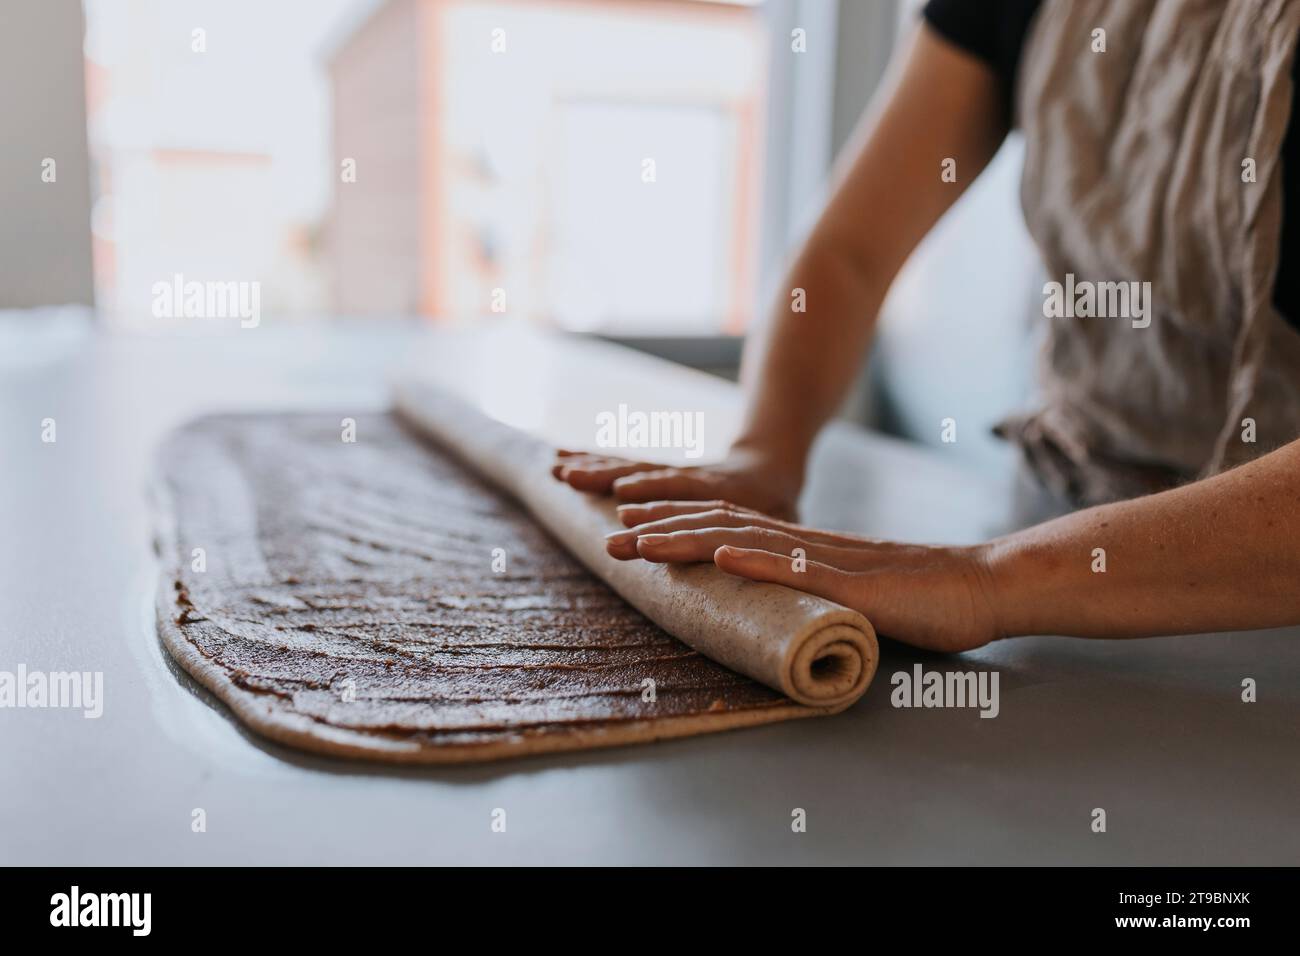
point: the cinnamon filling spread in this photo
(377, 586)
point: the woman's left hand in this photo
(939, 598)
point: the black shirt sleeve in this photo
(994, 31)
(991, 30)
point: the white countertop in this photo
(1153, 731)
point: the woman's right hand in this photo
(746, 477)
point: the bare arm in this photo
(1217, 555)
(938, 103)
(1220, 554)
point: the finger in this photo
(710, 518)
(622, 544)
(700, 545)
(662, 484)
(564, 457)
(812, 577)
(635, 514)
(600, 476)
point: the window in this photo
(594, 165)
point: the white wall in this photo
(955, 338)
(44, 226)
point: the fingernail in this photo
(651, 540)
(620, 537)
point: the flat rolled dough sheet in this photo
(345, 601)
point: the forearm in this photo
(1219, 554)
(800, 365)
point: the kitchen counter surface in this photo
(1155, 732)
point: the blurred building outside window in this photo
(592, 165)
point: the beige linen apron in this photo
(1134, 172)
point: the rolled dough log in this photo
(814, 651)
